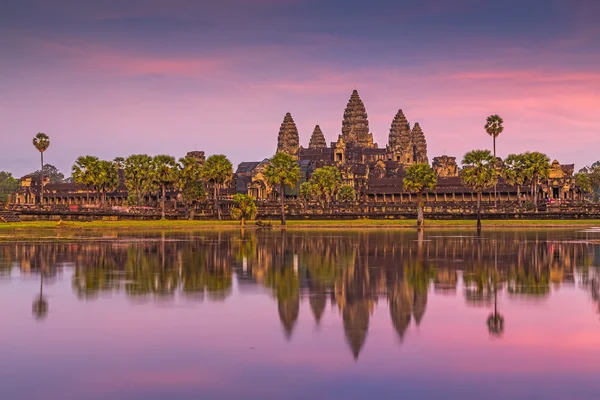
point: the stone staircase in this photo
(9, 216)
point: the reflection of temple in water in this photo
(356, 270)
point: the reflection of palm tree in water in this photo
(495, 321)
(40, 305)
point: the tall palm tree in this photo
(515, 172)
(479, 173)
(218, 171)
(165, 173)
(282, 170)
(418, 178)
(493, 126)
(41, 142)
(106, 178)
(84, 171)
(538, 167)
(138, 177)
(189, 181)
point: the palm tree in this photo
(41, 142)
(515, 172)
(538, 167)
(479, 173)
(83, 172)
(165, 174)
(493, 126)
(105, 177)
(418, 178)
(138, 177)
(282, 170)
(326, 181)
(189, 181)
(244, 208)
(217, 170)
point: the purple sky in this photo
(118, 77)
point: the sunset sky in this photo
(116, 77)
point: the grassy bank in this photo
(197, 225)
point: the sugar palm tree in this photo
(83, 172)
(515, 172)
(189, 181)
(244, 208)
(165, 174)
(479, 173)
(282, 170)
(218, 171)
(538, 167)
(105, 178)
(41, 142)
(418, 178)
(493, 126)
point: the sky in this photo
(121, 77)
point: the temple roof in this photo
(355, 125)
(399, 130)
(288, 139)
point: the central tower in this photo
(355, 125)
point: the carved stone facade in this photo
(560, 184)
(445, 166)
(355, 124)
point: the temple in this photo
(376, 173)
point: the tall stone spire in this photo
(317, 140)
(355, 125)
(288, 140)
(418, 139)
(399, 131)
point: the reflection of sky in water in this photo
(190, 346)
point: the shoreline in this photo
(27, 226)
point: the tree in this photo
(51, 172)
(41, 142)
(165, 174)
(189, 181)
(282, 170)
(83, 172)
(538, 167)
(479, 173)
(326, 181)
(515, 172)
(218, 171)
(583, 183)
(8, 185)
(119, 162)
(139, 177)
(346, 193)
(105, 178)
(244, 208)
(593, 172)
(493, 126)
(418, 178)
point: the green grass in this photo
(31, 226)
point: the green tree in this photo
(165, 174)
(419, 177)
(189, 181)
(244, 208)
(538, 167)
(282, 170)
(8, 185)
(218, 171)
(139, 177)
(493, 127)
(479, 173)
(583, 183)
(105, 178)
(346, 193)
(41, 142)
(83, 172)
(515, 172)
(307, 191)
(119, 162)
(326, 181)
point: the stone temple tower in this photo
(355, 125)
(317, 140)
(288, 140)
(406, 146)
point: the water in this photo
(303, 314)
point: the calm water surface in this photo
(303, 314)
